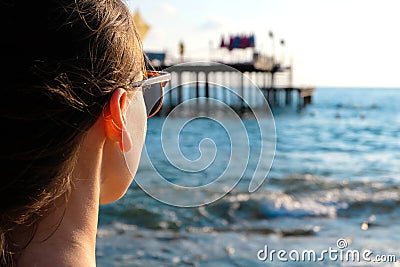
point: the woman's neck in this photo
(67, 236)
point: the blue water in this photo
(335, 174)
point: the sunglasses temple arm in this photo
(158, 79)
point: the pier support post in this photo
(170, 96)
(241, 93)
(288, 97)
(197, 86)
(207, 93)
(307, 100)
(276, 97)
(300, 102)
(179, 88)
(273, 92)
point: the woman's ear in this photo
(114, 119)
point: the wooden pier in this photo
(201, 79)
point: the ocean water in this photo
(334, 184)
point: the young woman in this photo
(73, 79)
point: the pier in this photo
(202, 79)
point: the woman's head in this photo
(63, 61)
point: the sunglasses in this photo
(153, 90)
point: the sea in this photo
(331, 196)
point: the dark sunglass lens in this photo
(153, 99)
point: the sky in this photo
(331, 43)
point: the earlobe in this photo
(114, 119)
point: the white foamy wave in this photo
(281, 205)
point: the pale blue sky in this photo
(332, 42)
